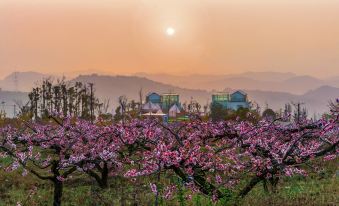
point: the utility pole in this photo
(91, 101)
(14, 110)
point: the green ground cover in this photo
(321, 188)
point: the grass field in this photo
(320, 187)
(316, 189)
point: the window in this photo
(220, 97)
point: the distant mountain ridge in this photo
(266, 81)
(22, 81)
(111, 87)
(114, 86)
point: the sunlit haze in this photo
(170, 31)
(177, 37)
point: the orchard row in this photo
(208, 157)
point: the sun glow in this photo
(170, 31)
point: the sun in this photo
(170, 31)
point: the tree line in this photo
(67, 98)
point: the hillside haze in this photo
(316, 96)
(266, 81)
(112, 87)
(22, 81)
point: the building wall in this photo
(220, 97)
(168, 100)
(237, 105)
(223, 103)
(234, 101)
(154, 98)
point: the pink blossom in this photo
(154, 188)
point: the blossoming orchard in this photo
(201, 157)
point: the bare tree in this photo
(123, 105)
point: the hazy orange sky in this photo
(212, 36)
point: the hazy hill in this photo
(22, 81)
(320, 96)
(333, 80)
(316, 101)
(267, 81)
(258, 76)
(266, 76)
(114, 86)
(111, 87)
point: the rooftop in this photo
(240, 91)
(169, 94)
(227, 93)
(151, 93)
(220, 93)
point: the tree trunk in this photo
(104, 176)
(204, 186)
(249, 187)
(274, 182)
(58, 186)
(101, 177)
(265, 186)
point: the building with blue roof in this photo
(233, 101)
